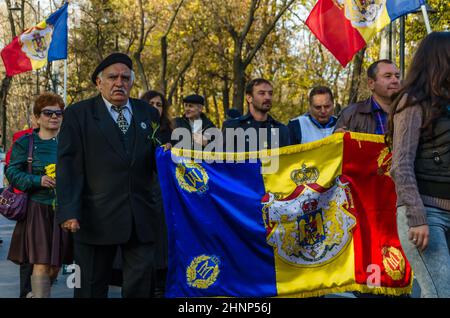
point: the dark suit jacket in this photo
(100, 185)
(247, 121)
(183, 122)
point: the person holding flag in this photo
(420, 136)
(104, 172)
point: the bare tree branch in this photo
(250, 18)
(181, 73)
(266, 32)
(172, 19)
(163, 40)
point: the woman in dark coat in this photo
(38, 239)
(157, 100)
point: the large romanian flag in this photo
(313, 219)
(345, 26)
(38, 45)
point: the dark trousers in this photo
(26, 270)
(96, 262)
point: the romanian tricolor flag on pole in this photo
(345, 26)
(38, 45)
(322, 221)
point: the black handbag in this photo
(13, 206)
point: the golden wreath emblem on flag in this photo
(363, 13)
(203, 271)
(384, 162)
(192, 177)
(394, 262)
(35, 42)
(311, 226)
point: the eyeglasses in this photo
(49, 113)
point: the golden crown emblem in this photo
(305, 175)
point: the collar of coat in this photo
(249, 116)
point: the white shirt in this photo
(127, 110)
(196, 125)
(310, 131)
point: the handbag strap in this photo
(30, 153)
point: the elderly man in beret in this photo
(195, 121)
(105, 159)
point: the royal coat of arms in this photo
(312, 225)
(361, 13)
(36, 42)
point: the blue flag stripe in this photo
(225, 223)
(398, 8)
(58, 46)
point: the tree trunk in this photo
(142, 39)
(180, 75)
(356, 77)
(206, 102)
(216, 110)
(226, 94)
(238, 83)
(6, 82)
(141, 71)
(163, 70)
(163, 83)
(240, 62)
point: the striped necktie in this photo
(121, 120)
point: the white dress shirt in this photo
(127, 110)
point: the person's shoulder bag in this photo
(13, 206)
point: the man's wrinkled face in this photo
(115, 84)
(261, 98)
(321, 108)
(387, 80)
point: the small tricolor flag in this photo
(345, 26)
(38, 45)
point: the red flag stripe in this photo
(329, 24)
(14, 59)
(374, 199)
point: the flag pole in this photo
(65, 67)
(65, 82)
(426, 19)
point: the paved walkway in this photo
(9, 272)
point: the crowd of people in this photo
(109, 211)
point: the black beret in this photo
(110, 60)
(194, 99)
